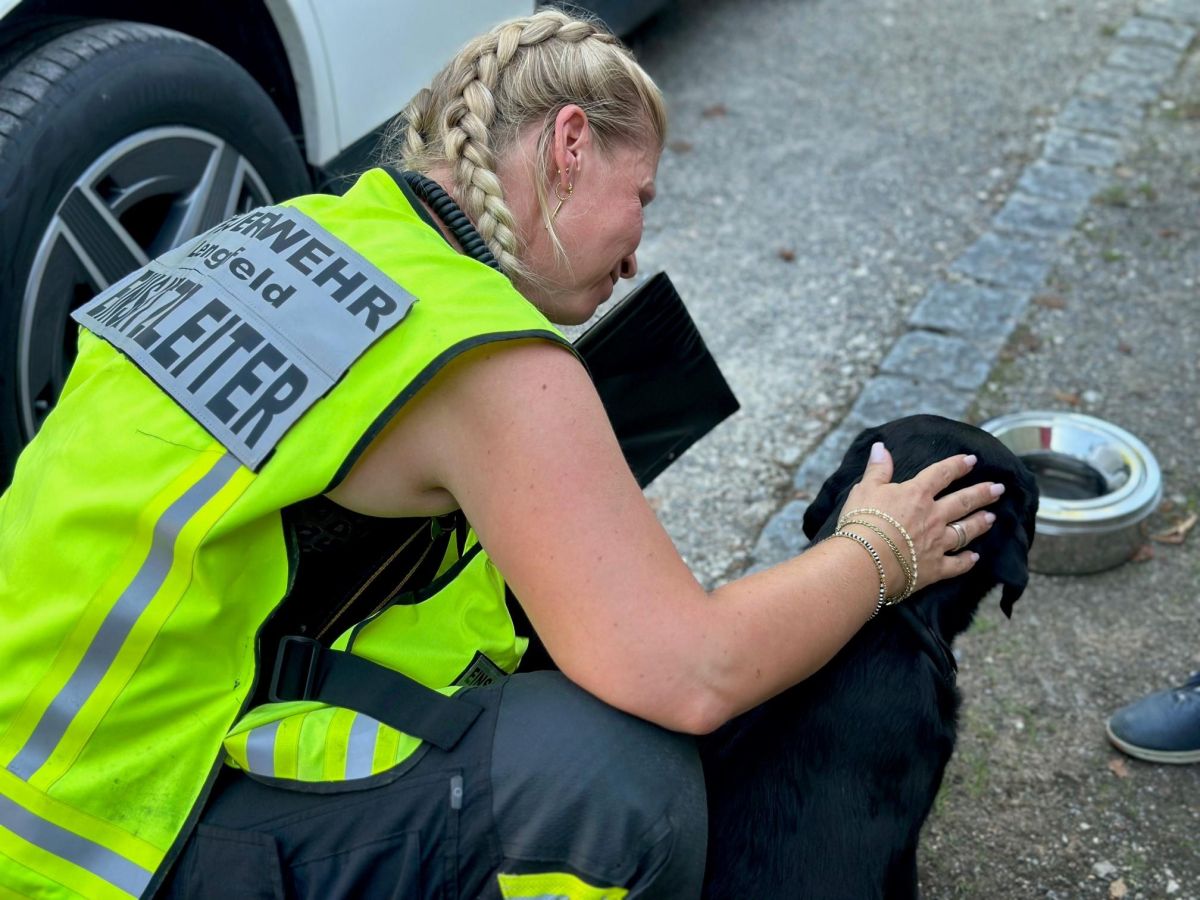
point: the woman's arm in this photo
(517, 435)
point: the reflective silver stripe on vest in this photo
(360, 747)
(260, 749)
(100, 861)
(120, 620)
(249, 324)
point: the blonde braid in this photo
(467, 121)
(418, 116)
(466, 142)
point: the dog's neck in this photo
(940, 613)
(929, 634)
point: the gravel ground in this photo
(827, 160)
(830, 165)
(1035, 803)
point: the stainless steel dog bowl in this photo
(1097, 481)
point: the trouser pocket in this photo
(229, 865)
(390, 868)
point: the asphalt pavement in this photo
(827, 164)
(875, 208)
(1049, 809)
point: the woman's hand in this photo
(927, 520)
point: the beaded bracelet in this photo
(904, 565)
(878, 565)
(879, 513)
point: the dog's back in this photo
(821, 792)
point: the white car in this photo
(128, 126)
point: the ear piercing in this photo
(561, 199)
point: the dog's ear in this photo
(839, 483)
(1011, 560)
(1012, 567)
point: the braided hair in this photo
(520, 73)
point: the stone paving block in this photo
(1007, 261)
(1120, 83)
(887, 397)
(982, 315)
(1100, 114)
(1057, 182)
(1146, 58)
(822, 462)
(1155, 31)
(1186, 11)
(940, 358)
(1038, 216)
(782, 537)
(1081, 148)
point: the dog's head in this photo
(917, 441)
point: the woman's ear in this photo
(572, 137)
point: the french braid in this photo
(521, 72)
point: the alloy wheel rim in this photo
(141, 197)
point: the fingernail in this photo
(997, 489)
(970, 459)
(989, 517)
(974, 557)
(877, 453)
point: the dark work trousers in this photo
(548, 779)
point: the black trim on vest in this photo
(345, 567)
(304, 670)
(412, 598)
(420, 595)
(423, 378)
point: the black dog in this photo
(821, 792)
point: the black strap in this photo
(305, 670)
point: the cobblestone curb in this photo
(957, 330)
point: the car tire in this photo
(118, 140)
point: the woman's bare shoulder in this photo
(398, 474)
(517, 437)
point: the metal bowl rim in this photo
(1129, 504)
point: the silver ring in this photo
(962, 536)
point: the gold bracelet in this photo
(904, 566)
(879, 513)
(878, 566)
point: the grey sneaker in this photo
(1163, 727)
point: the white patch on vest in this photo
(249, 324)
(480, 672)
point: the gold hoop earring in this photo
(561, 199)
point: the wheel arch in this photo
(269, 64)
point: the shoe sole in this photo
(1171, 757)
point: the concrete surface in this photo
(879, 208)
(828, 163)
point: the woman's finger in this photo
(879, 465)
(958, 563)
(963, 531)
(937, 477)
(963, 502)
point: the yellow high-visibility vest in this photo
(141, 544)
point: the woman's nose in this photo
(629, 266)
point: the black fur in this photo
(820, 793)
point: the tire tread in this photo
(16, 102)
(44, 63)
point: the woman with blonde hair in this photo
(297, 464)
